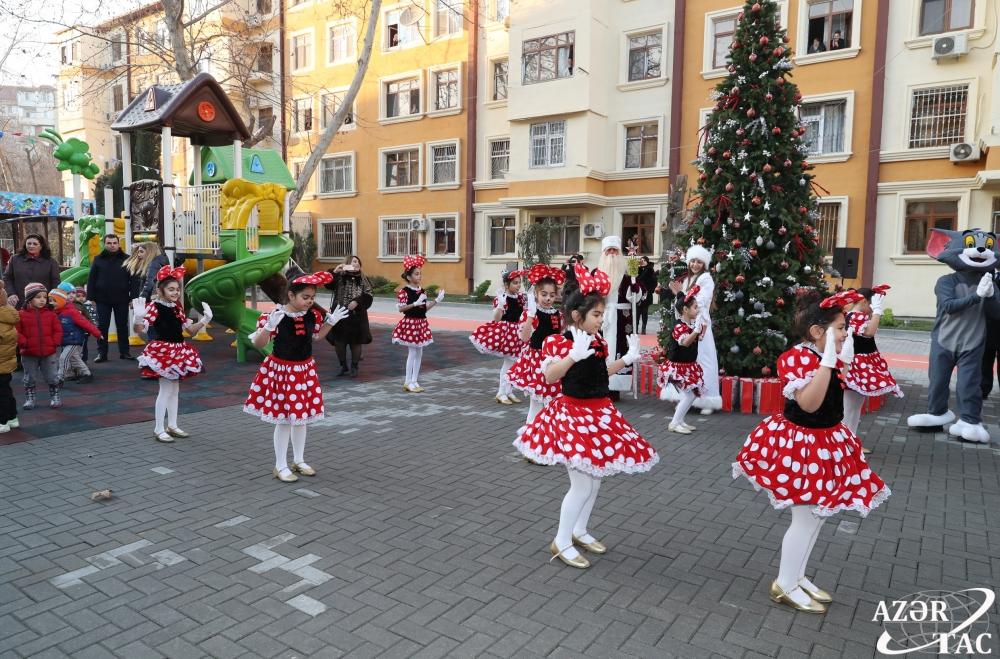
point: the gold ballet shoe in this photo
(816, 593)
(503, 400)
(406, 388)
(303, 468)
(417, 389)
(865, 450)
(291, 478)
(579, 562)
(595, 547)
(177, 432)
(513, 398)
(781, 597)
(163, 437)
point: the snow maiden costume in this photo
(526, 374)
(502, 337)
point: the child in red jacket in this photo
(75, 328)
(39, 334)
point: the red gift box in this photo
(727, 389)
(770, 400)
(746, 395)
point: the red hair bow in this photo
(540, 271)
(880, 289)
(596, 282)
(841, 299)
(315, 279)
(410, 262)
(166, 272)
(693, 292)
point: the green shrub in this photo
(482, 288)
(888, 320)
(432, 290)
(378, 281)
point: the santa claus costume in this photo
(581, 428)
(412, 330)
(681, 368)
(286, 390)
(168, 357)
(806, 458)
(501, 336)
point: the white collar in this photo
(294, 314)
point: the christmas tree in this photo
(754, 207)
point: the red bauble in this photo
(737, 331)
(736, 225)
(780, 81)
(753, 252)
(778, 52)
(784, 265)
(726, 155)
(769, 96)
(746, 142)
(756, 201)
(788, 163)
(757, 350)
(755, 8)
(731, 68)
(711, 151)
(751, 113)
(764, 41)
(797, 98)
(765, 371)
(703, 176)
(767, 168)
(735, 91)
(718, 170)
(722, 371)
(782, 231)
(803, 210)
(736, 45)
(737, 243)
(753, 57)
(739, 132)
(785, 39)
(776, 130)
(780, 301)
(730, 187)
(753, 176)
(739, 279)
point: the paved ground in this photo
(425, 535)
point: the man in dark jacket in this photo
(108, 287)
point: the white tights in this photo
(413, 357)
(852, 409)
(166, 404)
(535, 406)
(283, 432)
(505, 386)
(798, 543)
(575, 512)
(683, 405)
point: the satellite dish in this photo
(411, 16)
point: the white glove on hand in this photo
(440, 296)
(274, 319)
(632, 356)
(337, 315)
(500, 301)
(138, 308)
(532, 307)
(581, 345)
(985, 288)
(878, 304)
(846, 355)
(420, 301)
(206, 313)
(830, 350)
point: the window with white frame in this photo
(336, 239)
(723, 29)
(336, 174)
(397, 238)
(644, 54)
(830, 25)
(402, 97)
(330, 104)
(639, 229)
(396, 34)
(301, 54)
(828, 226)
(825, 126)
(499, 158)
(565, 235)
(445, 89)
(937, 116)
(937, 16)
(641, 145)
(401, 168)
(503, 235)
(162, 35)
(340, 43)
(447, 17)
(547, 58)
(922, 216)
(499, 87)
(444, 234)
(302, 115)
(444, 163)
(501, 10)
(548, 144)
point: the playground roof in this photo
(259, 166)
(197, 109)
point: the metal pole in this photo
(126, 183)
(166, 170)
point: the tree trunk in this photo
(173, 11)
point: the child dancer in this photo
(501, 336)
(413, 331)
(541, 320)
(168, 358)
(869, 373)
(581, 428)
(286, 391)
(75, 327)
(682, 368)
(806, 457)
(39, 334)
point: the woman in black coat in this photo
(352, 290)
(34, 263)
(648, 280)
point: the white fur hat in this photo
(611, 242)
(700, 253)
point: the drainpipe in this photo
(471, 142)
(676, 89)
(875, 143)
(281, 78)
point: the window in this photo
(402, 168)
(397, 239)
(117, 98)
(447, 17)
(336, 239)
(824, 124)
(548, 58)
(263, 6)
(501, 10)
(296, 3)
(336, 174)
(302, 118)
(829, 25)
(924, 215)
(265, 58)
(444, 235)
(565, 235)
(995, 224)
(75, 51)
(118, 150)
(638, 229)
(499, 158)
(117, 47)
(162, 35)
(265, 116)
(402, 98)
(641, 145)
(64, 55)
(503, 237)
(444, 163)
(340, 40)
(499, 92)
(301, 51)
(937, 16)
(397, 34)
(446, 89)
(829, 226)
(723, 29)
(548, 144)
(330, 104)
(644, 51)
(938, 116)
(297, 167)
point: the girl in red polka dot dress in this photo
(682, 368)
(167, 357)
(286, 390)
(413, 331)
(501, 337)
(581, 428)
(806, 458)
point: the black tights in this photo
(642, 318)
(357, 351)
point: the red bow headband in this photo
(880, 289)
(540, 271)
(690, 294)
(598, 282)
(841, 299)
(315, 279)
(410, 262)
(512, 275)
(166, 272)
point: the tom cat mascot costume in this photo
(964, 299)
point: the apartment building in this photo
(27, 109)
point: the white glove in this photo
(206, 313)
(532, 307)
(581, 345)
(274, 319)
(830, 351)
(337, 315)
(846, 355)
(440, 296)
(877, 304)
(633, 349)
(500, 301)
(985, 288)
(420, 301)
(138, 308)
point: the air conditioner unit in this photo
(255, 21)
(951, 46)
(964, 152)
(418, 224)
(593, 230)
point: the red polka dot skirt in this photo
(586, 434)
(819, 467)
(527, 375)
(286, 392)
(499, 338)
(173, 361)
(686, 376)
(413, 332)
(870, 376)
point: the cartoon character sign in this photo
(964, 300)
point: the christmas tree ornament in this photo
(769, 96)
(780, 302)
(739, 279)
(788, 163)
(753, 252)
(764, 41)
(738, 295)
(730, 187)
(711, 151)
(769, 245)
(807, 269)
(755, 8)
(735, 349)
(765, 371)
(782, 231)
(751, 113)
(726, 155)
(737, 331)
(753, 57)
(778, 52)
(737, 243)
(776, 130)
(802, 182)
(740, 132)
(757, 350)
(760, 241)
(756, 201)
(767, 168)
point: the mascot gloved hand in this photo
(965, 299)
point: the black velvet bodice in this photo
(863, 345)
(411, 297)
(294, 338)
(588, 378)
(548, 324)
(830, 412)
(168, 325)
(514, 309)
(685, 354)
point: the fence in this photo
(197, 218)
